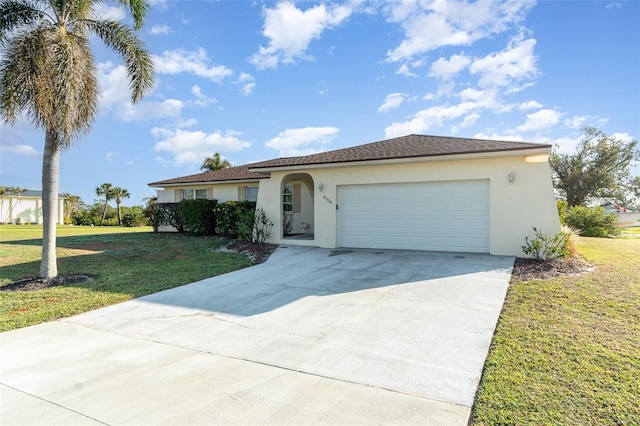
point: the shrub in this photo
(167, 214)
(262, 226)
(592, 221)
(562, 210)
(545, 247)
(234, 219)
(198, 216)
(287, 223)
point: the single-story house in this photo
(413, 192)
(26, 207)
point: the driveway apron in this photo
(312, 336)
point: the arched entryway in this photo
(297, 209)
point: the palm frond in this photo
(74, 83)
(124, 41)
(14, 14)
(23, 80)
(138, 9)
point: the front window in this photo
(193, 194)
(287, 199)
(251, 193)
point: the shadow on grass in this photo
(134, 264)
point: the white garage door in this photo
(439, 216)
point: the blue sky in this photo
(260, 80)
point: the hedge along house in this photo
(414, 192)
(230, 184)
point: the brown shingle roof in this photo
(229, 174)
(411, 146)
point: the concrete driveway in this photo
(313, 336)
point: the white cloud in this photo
(203, 100)
(472, 103)
(115, 96)
(103, 11)
(431, 25)
(624, 137)
(538, 120)
(191, 147)
(192, 62)
(160, 29)
(295, 142)
(429, 118)
(404, 70)
(468, 121)
(158, 3)
(491, 135)
(509, 67)
(576, 122)
(111, 155)
(525, 106)
(114, 84)
(146, 111)
(246, 82)
(564, 145)
(393, 101)
(290, 31)
(445, 69)
(26, 150)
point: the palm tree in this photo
(106, 190)
(118, 194)
(48, 71)
(215, 162)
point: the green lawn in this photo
(567, 350)
(124, 262)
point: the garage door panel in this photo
(444, 216)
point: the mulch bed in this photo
(31, 284)
(530, 269)
(258, 253)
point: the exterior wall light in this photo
(321, 187)
(512, 177)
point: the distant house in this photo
(414, 192)
(26, 207)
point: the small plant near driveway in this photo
(546, 247)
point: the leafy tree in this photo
(72, 204)
(119, 193)
(105, 190)
(215, 162)
(134, 216)
(600, 168)
(48, 71)
(634, 188)
(150, 211)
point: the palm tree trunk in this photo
(50, 178)
(119, 216)
(104, 211)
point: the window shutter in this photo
(241, 193)
(296, 198)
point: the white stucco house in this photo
(26, 207)
(413, 192)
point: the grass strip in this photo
(567, 351)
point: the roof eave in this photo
(200, 183)
(503, 153)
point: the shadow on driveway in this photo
(293, 273)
